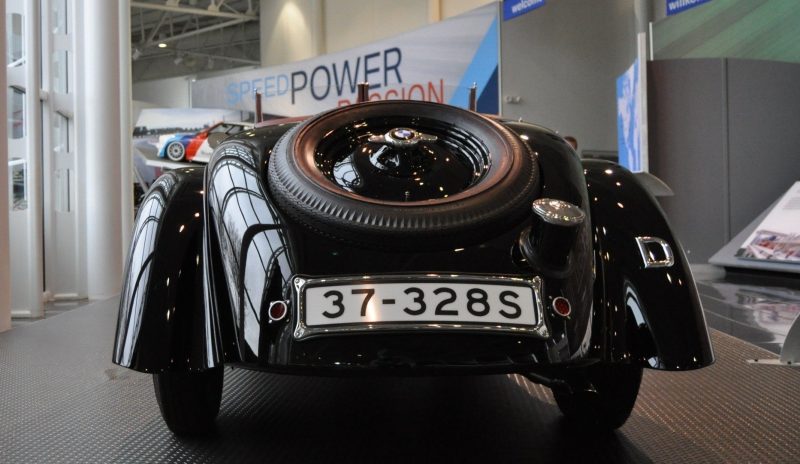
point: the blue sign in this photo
(676, 6)
(629, 119)
(514, 8)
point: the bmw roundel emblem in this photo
(403, 134)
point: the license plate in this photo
(418, 302)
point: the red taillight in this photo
(561, 306)
(278, 310)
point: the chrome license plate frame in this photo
(303, 330)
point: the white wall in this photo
(350, 23)
(562, 60)
(164, 93)
(291, 30)
(450, 8)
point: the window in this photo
(59, 9)
(15, 52)
(62, 176)
(16, 113)
(60, 70)
(60, 134)
(18, 181)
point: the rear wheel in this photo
(615, 386)
(175, 151)
(189, 401)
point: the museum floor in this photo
(62, 400)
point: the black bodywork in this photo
(212, 249)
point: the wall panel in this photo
(562, 61)
(724, 137)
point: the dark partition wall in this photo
(687, 149)
(724, 135)
(764, 135)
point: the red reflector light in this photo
(561, 306)
(277, 310)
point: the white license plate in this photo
(421, 301)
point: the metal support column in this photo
(100, 105)
(5, 271)
(126, 125)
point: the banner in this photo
(435, 63)
(677, 6)
(514, 8)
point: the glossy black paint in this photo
(312, 254)
(660, 307)
(352, 158)
(252, 251)
(562, 179)
(164, 322)
(248, 241)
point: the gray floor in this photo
(754, 312)
(61, 400)
(53, 308)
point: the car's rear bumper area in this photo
(409, 354)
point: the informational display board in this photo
(777, 237)
(434, 63)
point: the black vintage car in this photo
(406, 238)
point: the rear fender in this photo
(653, 312)
(164, 322)
(251, 256)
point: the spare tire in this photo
(415, 173)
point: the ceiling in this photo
(184, 37)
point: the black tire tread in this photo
(617, 387)
(189, 401)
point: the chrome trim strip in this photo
(302, 331)
(649, 260)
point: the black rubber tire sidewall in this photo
(617, 387)
(189, 401)
(367, 221)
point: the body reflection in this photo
(253, 246)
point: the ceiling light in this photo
(162, 45)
